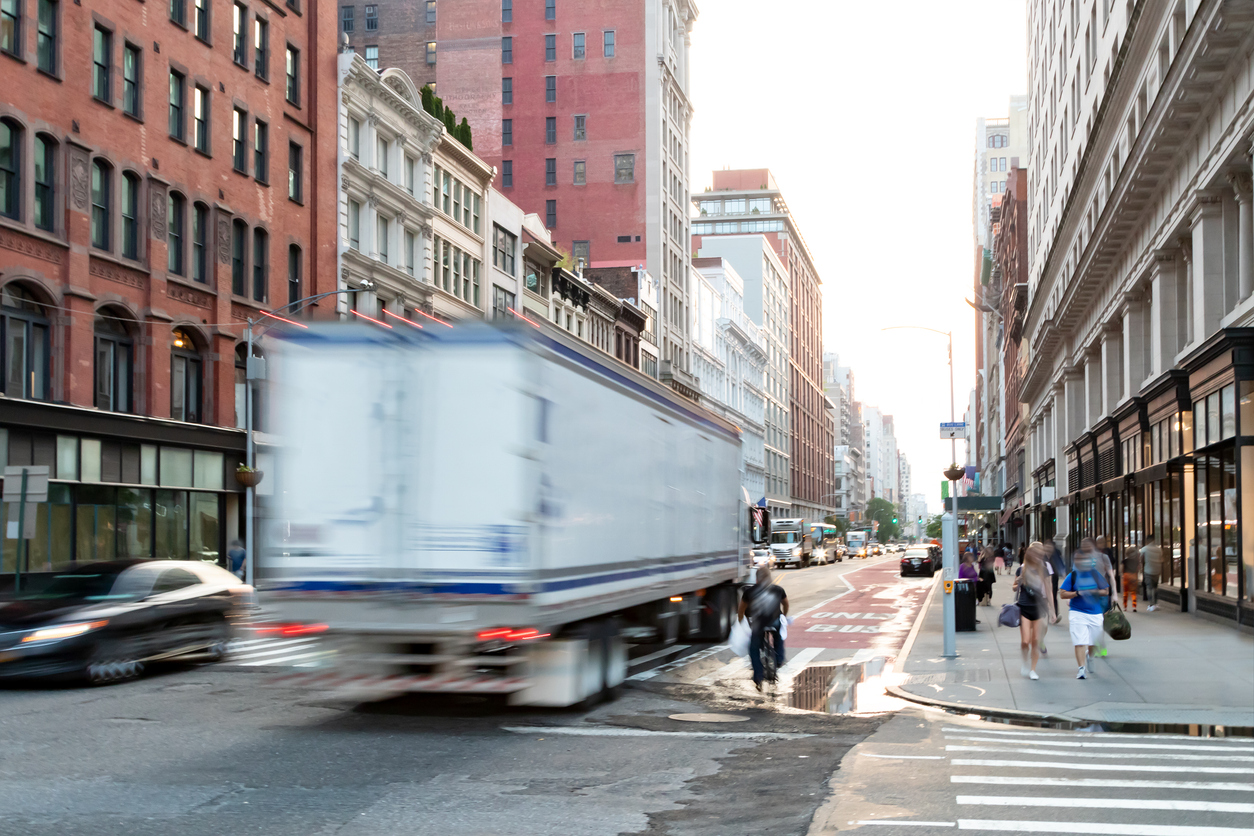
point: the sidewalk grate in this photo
(977, 675)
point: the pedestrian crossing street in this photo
(304, 652)
(1036, 781)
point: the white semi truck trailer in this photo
(492, 510)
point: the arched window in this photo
(200, 243)
(239, 243)
(294, 268)
(261, 263)
(101, 216)
(45, 182)
(10, 169)
(176, 234)
(130, 215)
(185, 378)
(24, 348)
(115, 362)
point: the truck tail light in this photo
(511, 634)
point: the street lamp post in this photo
(949, 520)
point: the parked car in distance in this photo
(105, 621)
(920, 560)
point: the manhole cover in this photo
(710, 718)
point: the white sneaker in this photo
(1081, 674)
(1032, 675)
(1152, 608)
(1024, 670)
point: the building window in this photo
(24, 348)
(372, 57)
(624, 168)
(10, 169)
(178, 92)
(383, 231)
(430, 11)
(550, 47)
(261, 263)
(550, 213)
(550, 171)
(581, 172)
(240, 27)
(507, 11)
(101, 218)
(507, 50)
(354, 138)
(372, 18)
(577, 44)
(550, 88)
(45, 181)
(11, 26)
(504, 249)
(130, 215)
(346, 17)
(292, 63)
(580, 253)
(239, 255)
(430, 52)
(507, 91)
(175, 219)
(102, 62)
(200, 243)
(354, 225)
(184, 379)
(261, 151)
(294, 268)
(130, 80)
(114, 361)
(178, 12)
(474, 224)
(550, 9)
(608, 43)
(507, 131)
(295, 172)
(581, 127)
(46, 36)
(409, 252)
(261, 48)
(239, 147)
(409, 174)
(202, 19)
(507, 174)
(502, 303)
(200, 119)
(550, 130)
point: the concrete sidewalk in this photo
(1176, 669)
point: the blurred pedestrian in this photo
(987, 577)
(1058, 569)
(1088, 590)
(1036, 609)
(968, 572)
(1131, 574)
(999, 562)
(236, 554)
(1153, 568)
(1106, 566)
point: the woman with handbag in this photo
(1036, 607)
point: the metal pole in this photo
(949, 530)
(20, 552)
(248, 458)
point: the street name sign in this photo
(952, 429)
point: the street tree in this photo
(839, 523)
(882, 511)
(934, 526)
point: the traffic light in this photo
(894, 520)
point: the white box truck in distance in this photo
(486, 509)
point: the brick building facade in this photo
(167, 174)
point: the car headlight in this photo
(63, 631)
(796, 550)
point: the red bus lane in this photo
(876, 614)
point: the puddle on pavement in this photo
(1185, 729)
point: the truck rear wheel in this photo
(716, 615)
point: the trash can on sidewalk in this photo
(964, 606)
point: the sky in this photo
(865, 113)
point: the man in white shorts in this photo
(1089, 593)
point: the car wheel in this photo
(220, 645)
(112, 661)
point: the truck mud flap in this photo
(339, 684)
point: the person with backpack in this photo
(1088, 591)
(1036, 609)
(765, 603)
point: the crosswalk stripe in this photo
(1105, 803)
(907, 823)
(1123, 755)
(679, 663)
(1106, 829)
(1086, 744)
(667, 651)
(1124, 783)
(257, 654)
(798, 661)
(1101, 767)
(284, 660)
(1184, 738)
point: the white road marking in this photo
(608, 731)
(663, 652)
(1086, 744)
(1106, 829)
(278, 651)
(1102, 767)
(679, 663)
(1102, 735)
(1039, 781)
(905, 757)
(1105, 803)
(1123, 755)
(900, 823)
(284, 660)
(798, 661)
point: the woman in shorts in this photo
(1036, 607)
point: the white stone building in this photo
(729, 360)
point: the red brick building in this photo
(1010, 271)
(166, 173)
(583, 110)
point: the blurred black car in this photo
(106, 621)
(920, 560)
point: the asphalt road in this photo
(214, 750)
